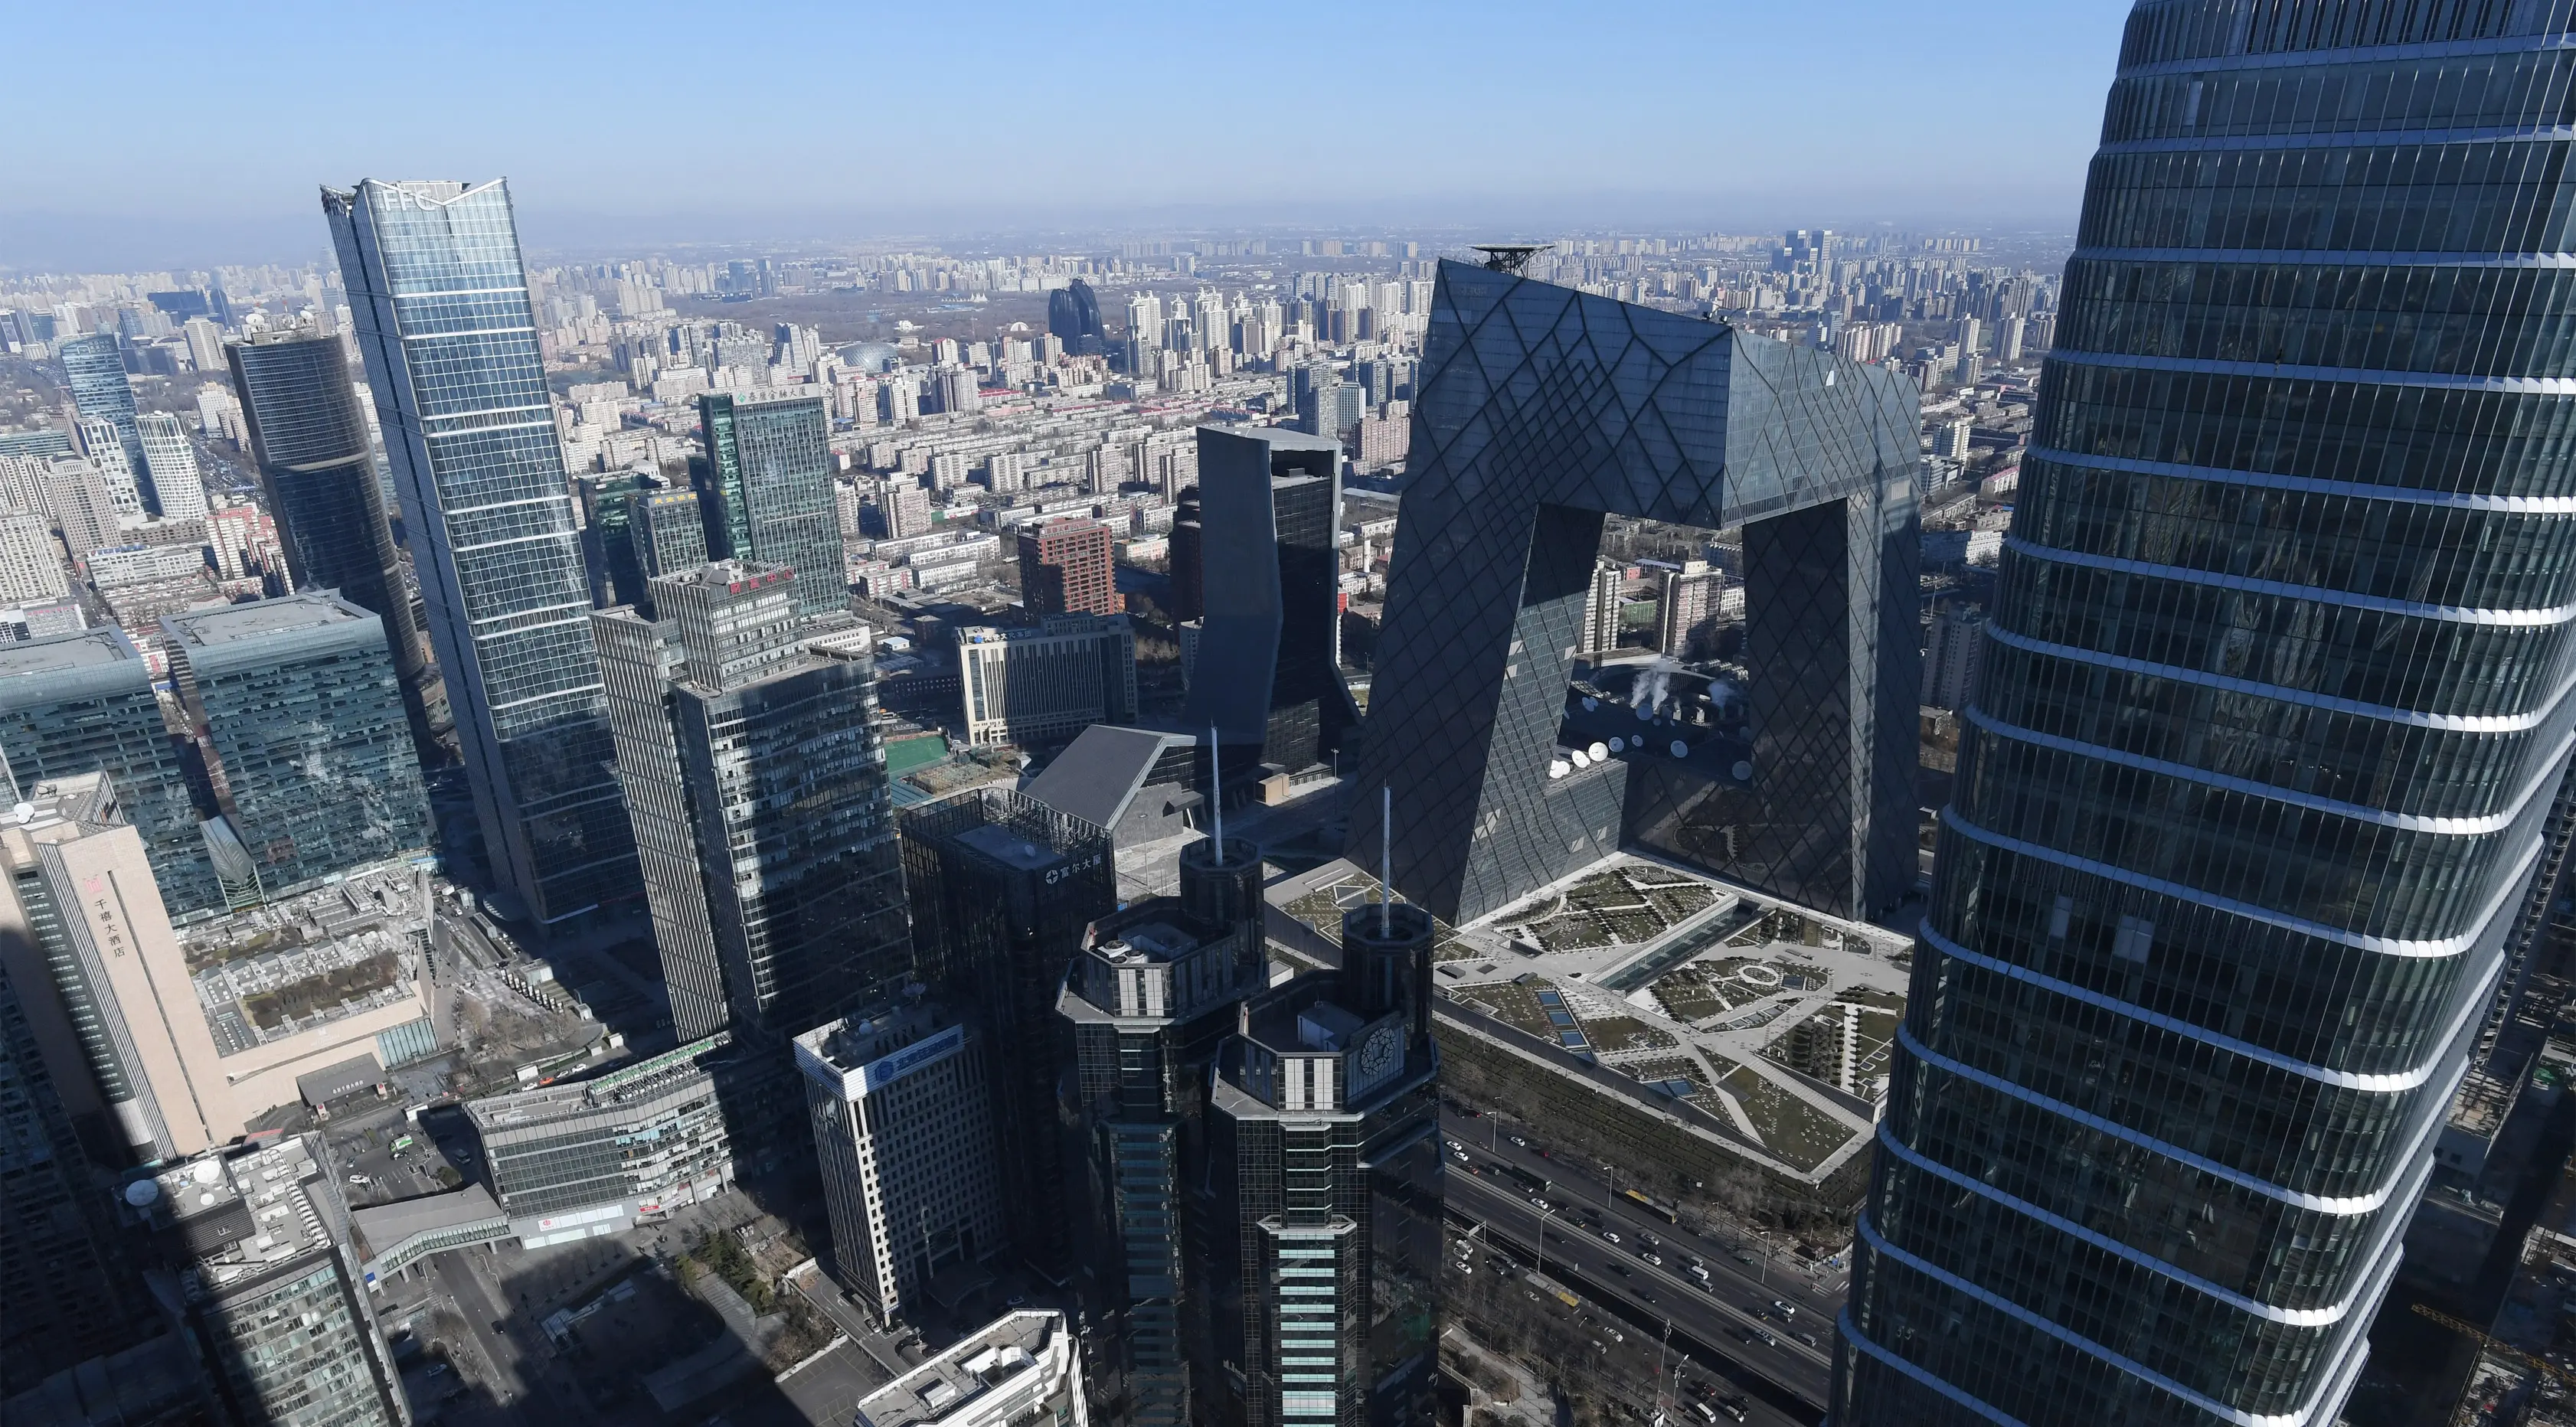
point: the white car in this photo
(360, 1179)
(1609, 1236)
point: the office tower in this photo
(568, 1161)
(317, 468)
(180, 490)
(105, 449)
(1188, 557)
(1073, 316)
(608, 554)
(668, 533)
(1956, 652)
(1033, 686)
(31, 564)
(2240, 824)
(83, 703)
(275, 1300)
(1525, 438)
(205, 343)
(85, 892)
(299, 704)
(760, 804)
(767, 492)
(1002, 887)
(1322, 1129)
(900, 1102)
(1065, 569)
(1020, 1368)
(1149, 1002)
(1687, 605)
(72, 1293)
(94, 371)
(1269, 670)
(440, 307)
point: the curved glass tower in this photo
(2275, 700)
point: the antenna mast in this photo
(1385, 860)
(1216, 794)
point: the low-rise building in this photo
(1047, 683)
(1020, 1368)
(594, 1157)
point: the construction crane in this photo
(2494, 1344)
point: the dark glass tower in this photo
(317, 469)
(1073, 316)
(94, 369)
(439, 303)
(768, 493)
(2275, 700)
(1003, 889)
(1269, 664)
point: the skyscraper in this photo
(1073, 316)
(1002, 889)
(2246, 798)
(300, 707)
(176, 485)
(1269, 671)
(760, 804)
(768, 492)
(317, 469)
(1065, 569)
(1147, 1001)
(94, 369)
(440, 307)
(83, 703)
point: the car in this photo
(1784, 1308)
(1515, 1139)
(1648, 1294)
(1732, 1407)
(496, 1326)
(1705, 1415)
(1541, 1204)
(1810, 1340)
(1742, 1334)
(360, 1179)
(1706, 1287)
(1459, 1155)
(1610, 1236)
(1621, 1270)
(1453, 1144)
(1742, 1257)
(1698, 1271)
(1652, 1257)
(1766, 1338)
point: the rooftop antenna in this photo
(1216, 794)
(1385, 860)
(1508, 257)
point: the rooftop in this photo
(230, 624)
(976, 1364)
(91, 648)
(1009, 848)
(239, 1214)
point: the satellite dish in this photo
(1558, 768)
(23, 812)
(1645, 712)
(1744, 770)
(1589, 704)
(206, 1172)
(206, 1199)
(142, 1192)
(1618, 745)
(1598, 752)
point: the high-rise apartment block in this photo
(1603, 601)
(1065, 569)
(271, 1289)
(1040, 685)
(2242, 824)
(1322, 1122)
(300, 707)
(94, 370)
(900, 1102)
(176, 484)
(31, 564)
(759, 798)
(83, 703)
(1957, 651)
(1268, 674)
(1002, 890)
(440, 308)
(1687, 609)
(1150, 1002)
(317, 470)
(767, 491)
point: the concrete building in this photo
(584, 1158)
(1149, 1003)
(1065, 569)
(299, 705)
(1002, 890)
(900, 1101)
(1046, 684)
(175, 479)
(1686, 613)
(83, 703)
(270, 1287)
(31, 563)
(1020, 1369)
(1956, 654)
(1603, 601)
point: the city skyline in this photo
(1824, 127)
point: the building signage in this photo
(877, 1074)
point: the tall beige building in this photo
(80, 913)
(31, 564)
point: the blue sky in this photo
(168, 133)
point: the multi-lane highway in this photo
(1735, 1316)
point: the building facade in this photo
(1065, 569)
(439, 303)
(1150, 1002)
(31, 563)
(1002, 888)
(300, 708)
(2247, 797)
(176, 484)
(767, 494)
(94, 371)
(900, 1103)
(1046, 684)
(1021, 1368)
(1956, 652)
(82, 703)
(1268, 673)
(585, 1158)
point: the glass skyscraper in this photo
(439, 303)
(94, 369)
(318, 471)
(768, 493)
(2275, 698)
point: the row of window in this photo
(2455, 91)
(2380, 198)
(2210, 29)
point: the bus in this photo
(1641, 1202)
(1521, 1179)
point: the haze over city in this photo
(1834, 715)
